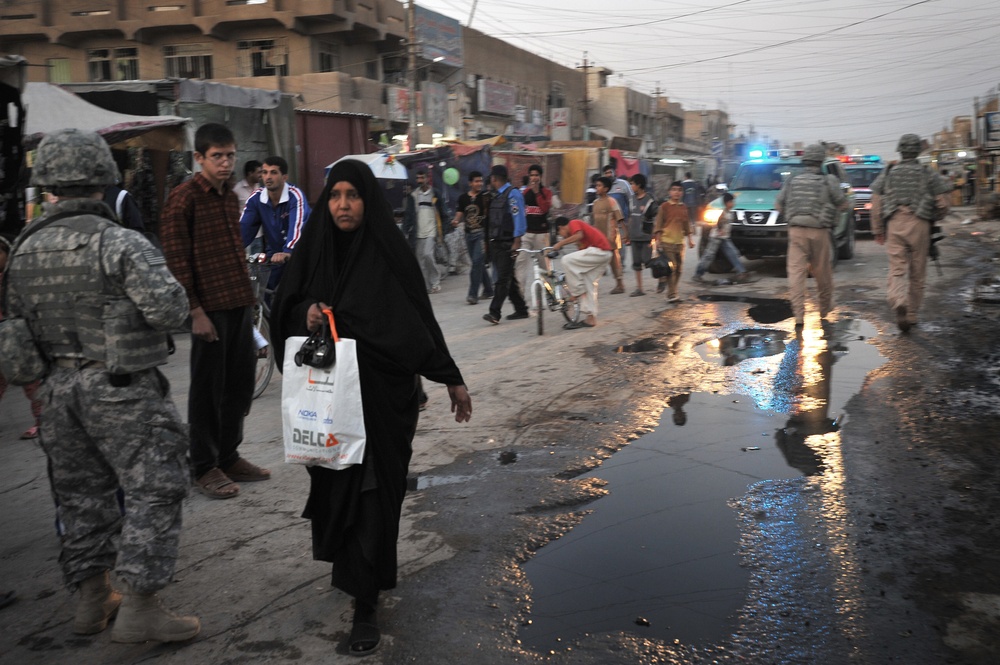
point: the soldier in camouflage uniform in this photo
(912, 197)
(99, 301)
(809, 202)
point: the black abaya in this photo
(373, 283)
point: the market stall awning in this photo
(49, 108)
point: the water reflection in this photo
(743, 344)
(677, 403)
(662, 544)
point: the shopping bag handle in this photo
(333, 326)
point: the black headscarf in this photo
(372, 281)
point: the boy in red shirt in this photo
(583, 267)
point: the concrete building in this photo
(623, 112)
(329, 52)
(334, 55)
(507, 90)
(959, 135)
(706, 127)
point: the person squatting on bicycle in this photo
(583, 267)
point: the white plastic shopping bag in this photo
(322, 420)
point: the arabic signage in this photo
(439, 37)
(496, 98)
(399, 104)
(992, 134)
(435, 104)
(560, 124)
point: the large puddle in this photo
(657, 556)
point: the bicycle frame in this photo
(548, 290)
(263, 367)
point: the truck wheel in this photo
(846, 250)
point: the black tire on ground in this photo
(846, 250)
(264, 366)
(540, 301)
(570, 309)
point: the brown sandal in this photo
(217, 485)
(245, 472)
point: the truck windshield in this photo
(764, 176)
(862, 177)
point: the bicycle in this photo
(548, 290)
(260, 271)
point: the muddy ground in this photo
(891, 555)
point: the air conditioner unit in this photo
(273, 59)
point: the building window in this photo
(262, 57)
(328, 57)
(59, 71)
(187, 61)
(371, 70)
(113, 64)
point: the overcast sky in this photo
(860, 72)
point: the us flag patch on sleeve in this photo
(153, 256)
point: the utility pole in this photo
(658, 120)
(411, 51)
(586, 98)
(472, 13)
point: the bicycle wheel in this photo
(264, 366)
(570, 308)
(539, 304)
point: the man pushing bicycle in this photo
(583, 267)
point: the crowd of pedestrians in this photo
(93, 339)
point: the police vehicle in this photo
(760, 231)
(861, 173)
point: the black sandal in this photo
(364, 639)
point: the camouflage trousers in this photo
(99, 437)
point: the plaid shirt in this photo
(200, 231)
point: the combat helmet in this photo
(909, 144)
(73, 158)
(814, 153)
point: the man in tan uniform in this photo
(913, 197)
(810, 201)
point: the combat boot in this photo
(143, 618)
(98, 603)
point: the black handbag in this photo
(661, 266)
(319, 350)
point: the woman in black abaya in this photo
(353, 259)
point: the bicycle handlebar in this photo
(535, 251)
(260, 260)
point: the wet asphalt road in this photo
(827, 499)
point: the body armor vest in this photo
(501, 221)
(909, 184)
(74, 310)
(808, 201)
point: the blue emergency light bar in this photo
(861, 159)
